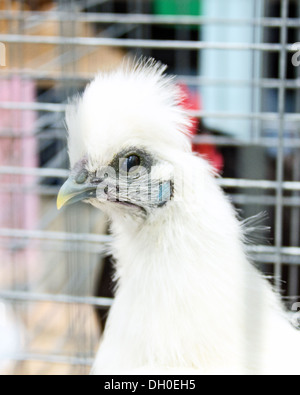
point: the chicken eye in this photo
(130, 163)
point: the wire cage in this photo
(239, 63)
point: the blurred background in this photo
(236, 63)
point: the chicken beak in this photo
(72, 192)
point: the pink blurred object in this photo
(19, 205)
(191, 101)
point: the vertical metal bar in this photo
(293, 283)
(254, 55)
(293, 280)
(146, 29)
(135, 7)
(182, 33)
(259, 96)
(280, 153)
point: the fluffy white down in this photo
(188, 299)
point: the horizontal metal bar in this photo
(261, 83)
(35, 172)
(263, 116)
(83, 78)
(261, 249)
(105, 239)
(50, 107)
(140, 43)
(241, 199)
(43, 136)
(223, 182)
(95, 249)
(50, 358)
(263, 200)
(55, 236)
(30, 188)
(65, 299)
(268, 142)
(87, 248)
(259, 184)
(143, 19)
(38, 75)
(34, 106)
(270, 258)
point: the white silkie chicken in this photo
(188, 298)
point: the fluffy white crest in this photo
(135, 105)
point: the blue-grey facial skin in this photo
(126, 180)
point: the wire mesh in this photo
(52, 264)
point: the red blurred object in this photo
(191, 101)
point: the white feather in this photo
(187, 298)
(10, 337)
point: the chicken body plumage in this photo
(188, 298)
